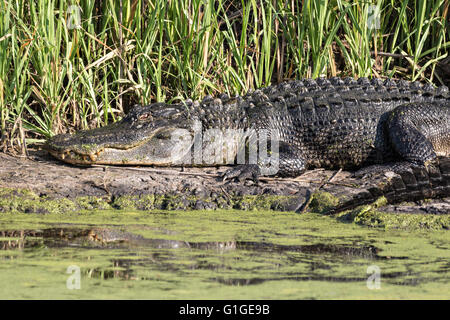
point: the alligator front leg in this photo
(243, 172)
(286, 164)
(291, 165)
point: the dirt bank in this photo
(194, 188)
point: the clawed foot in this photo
(242, 173)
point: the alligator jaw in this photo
(157, 149)
(143, 137)
(73, 157)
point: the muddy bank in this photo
(42, 184)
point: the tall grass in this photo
(55, 78)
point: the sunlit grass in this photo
(54, 78)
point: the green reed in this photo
(60, 76)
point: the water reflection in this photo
(234, 263)
(111, 238)
(185, 256)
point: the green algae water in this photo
(216, 255)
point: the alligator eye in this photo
(145, 116)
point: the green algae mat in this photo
(216, 255)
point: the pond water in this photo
(216, 255)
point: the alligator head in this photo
(144, 136)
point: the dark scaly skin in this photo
(332, 123)
(403, 182)
(349, 124)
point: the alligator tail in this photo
(403, 183)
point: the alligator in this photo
(330, 123)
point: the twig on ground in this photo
(166, 171)
(304, 207)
